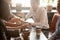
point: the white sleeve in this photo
(44, 18)
(42, 26)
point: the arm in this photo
(29, 15)
(44, 18)
(53, 23)
(13, 18)
(16, 20)
(42, 26)
(14, 26)
(23, 26)
(10, 24)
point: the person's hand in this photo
(16, 20)
(26, 25)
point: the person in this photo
(9, 19)
(53, 23)
(56, 34)
(39, 15)
(54, 20)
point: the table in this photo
(33, 36)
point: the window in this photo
(44, 3)
(26, 3)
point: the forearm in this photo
(10, 24)
(14, 20)
(19, 27)
(42, 26)
(28, 16)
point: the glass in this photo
(38, 30)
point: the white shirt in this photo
(40, 17)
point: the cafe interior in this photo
(29, 20)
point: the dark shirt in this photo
(2, 31)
